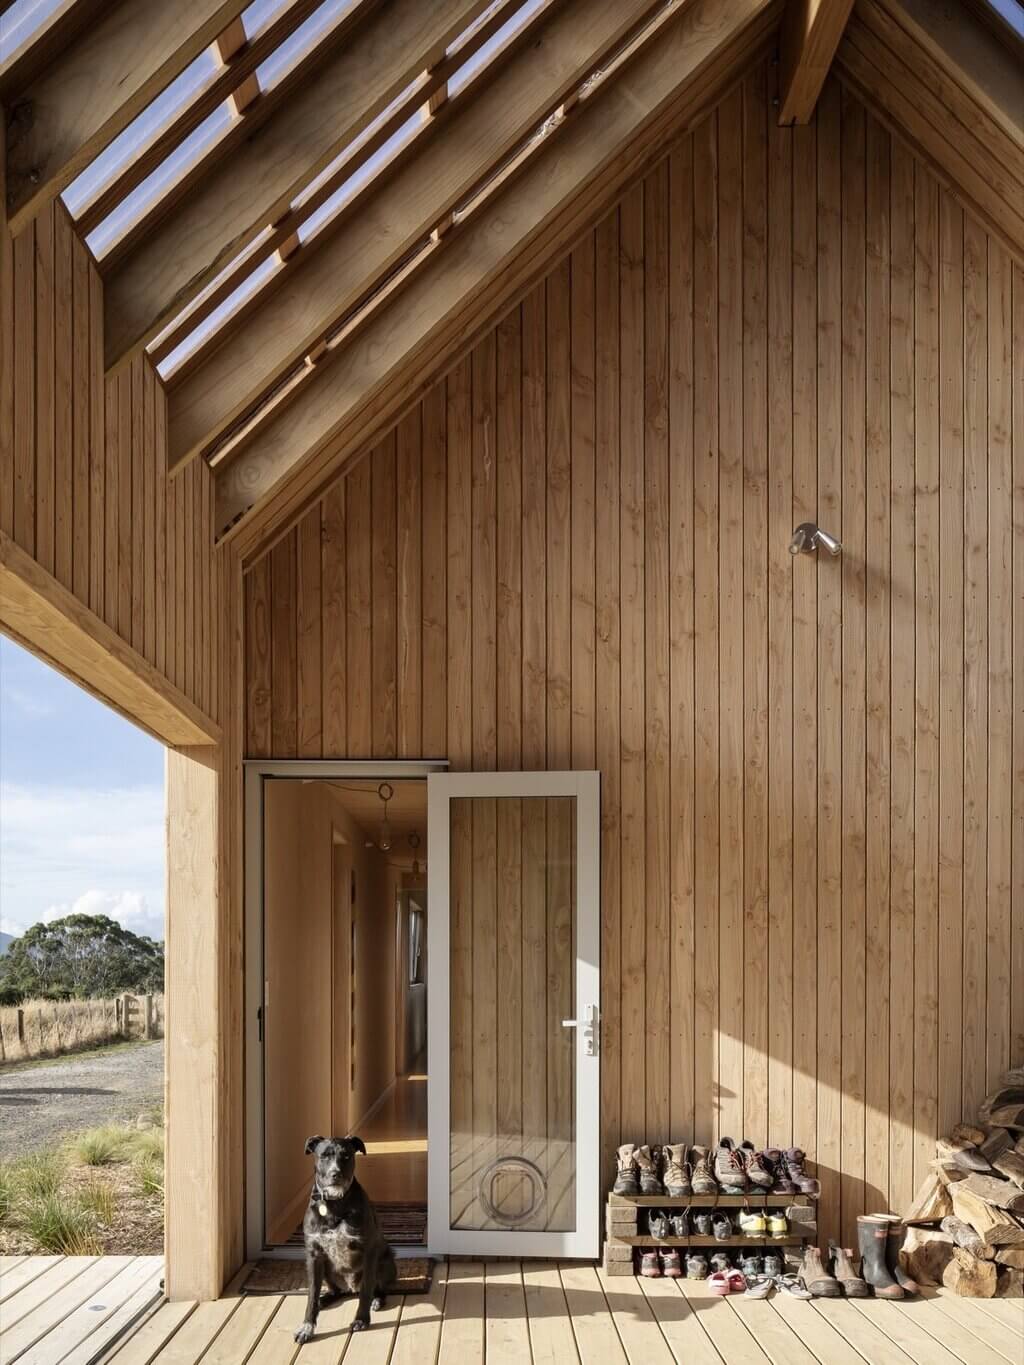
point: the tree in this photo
(82, 955)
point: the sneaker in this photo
(759, 1172)
(752, 1223)
(701, 1175)
(720, 1261)
(675, 1171)
(650, 1267)
(627, 1176)
(777, 1226)
(702, 1223)
(721, 1226)
(648, 1160)
(751, 1263)
(729, 1169)
(696, 1266)
(657, 1223)
(759, 1286)
(774, 1264)
(680, 1223)
(671, 1265)
(781, 1183)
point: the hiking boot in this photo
(729, 1169)
(701, 1175)
(650, 1266)
(794, 1159)
(627, 1176)
(671, 1266)
(675, 1172)
(657, 1223)
(759, 1173)
(872, 1239)
(721, 1226)
(781, 1183)
(841, 1264)
(647, 1161)
(816, 1278)
(696, 1266)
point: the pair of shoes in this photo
(879, 1238)
(727, 1282)
(662, 1223)
(753, 1263)
(816, 1278)
(655, 1264)
(758, 1223)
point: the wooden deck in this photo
(507, 1313)
(67, 1310)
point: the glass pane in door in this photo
(512, 903)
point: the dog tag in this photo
(322, 1210)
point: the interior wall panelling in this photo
(574, 552)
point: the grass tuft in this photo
(6, 1192)
(97, 1199)
(38, 1176)
(147, 1145)
(100, 1146)
(151, 1177)
(59, 1226)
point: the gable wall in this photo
(573, 552)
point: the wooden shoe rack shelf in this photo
(622, 1231)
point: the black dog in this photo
(343, 1242)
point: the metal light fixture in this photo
(808, 537)
(385, 791)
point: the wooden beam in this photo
(240, 58)
(484, 265)
(331, 275)
(811, 30)
(41, 614)
(96, 87)
(164, 265)
(47, 38)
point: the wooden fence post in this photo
(148, 1025)
(126, 1005)
(21, 1027)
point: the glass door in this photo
(513, 926)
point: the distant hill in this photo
(5, 942)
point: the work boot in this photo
(893, 1242)
(841, 1264)
(759, 1173)
(647, 1162)
(676, 1173)
(729, 1169)
(872, 1239)
(627, 1176)
(816, 1278)
(701, 1175)
(793, 1159)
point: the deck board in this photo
(502, 1312)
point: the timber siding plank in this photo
(773, 326)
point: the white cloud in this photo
(67, 849)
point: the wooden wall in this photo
(574, 552)
(83, 465)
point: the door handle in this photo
(589, 1022)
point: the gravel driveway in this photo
(41, 1105)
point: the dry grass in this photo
(51, 1028)
(101, 1193)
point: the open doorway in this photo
(343, 1015)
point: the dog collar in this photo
(321, 1207)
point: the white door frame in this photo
(256, 771)
(584, 1241)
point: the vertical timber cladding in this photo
(574, 552)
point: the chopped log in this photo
(955, 1152)
(1012, 1256)
(993, 1225)
(1002, 1193)
(1012, 1166)
(1009, 1116)
(970, 1278)
(965, 1236)
(995, 1143)
(931, 1203)
(948, 1175)
(966, 1132)
(1010, 1283)
(925, 1253)
(1018, 1146)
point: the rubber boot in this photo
(893, 1242)
(872, 1241)
(627, 1176)
(852, 1285)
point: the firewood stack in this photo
(965, 1227)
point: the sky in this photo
(81, 804)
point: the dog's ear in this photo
(313, 1143)
(357, 1143)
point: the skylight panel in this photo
(349, 188)
(23, 21)
(260, 15)
(301, 43)
(249, 286)
(484, 54)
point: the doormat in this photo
(403, 1225)
(289, 1277)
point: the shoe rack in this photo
(622, 1232)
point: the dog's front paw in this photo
(305, 1333)
(359, 1323)
(377, 1304)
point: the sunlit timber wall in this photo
(574, 553)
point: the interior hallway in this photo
(394, 1169)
